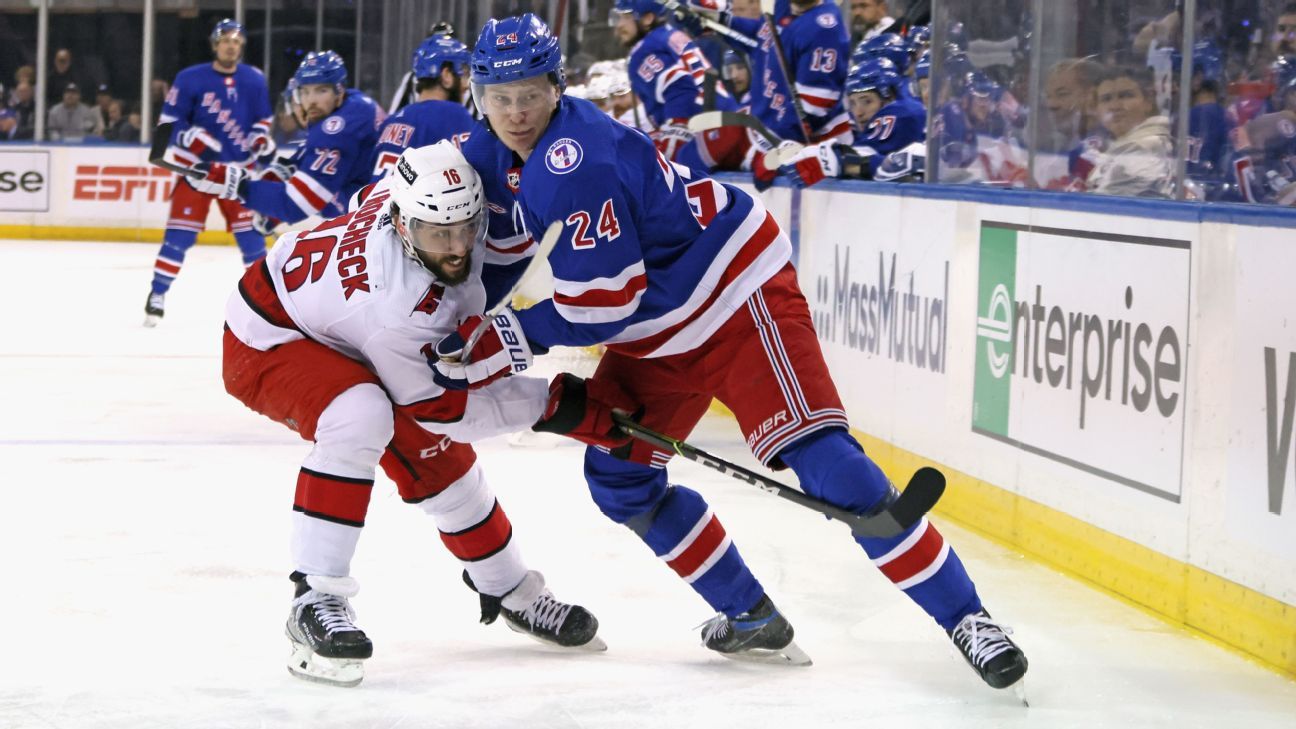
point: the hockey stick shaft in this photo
(716, 119)
(157, 151)
(547, 244)
(772, 28)
(924, 490)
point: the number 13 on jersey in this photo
(609, 229)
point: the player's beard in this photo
(448, 279)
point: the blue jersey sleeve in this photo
(598, 266)
(323, 167)
(262, 109)
(179, 103)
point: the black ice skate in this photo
(760, 635)
(327, 645)
(154, 309)
(987, 648)
(532, 610)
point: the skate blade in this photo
(344, 672)
(789, 655)
(594, 645)
(151, 320)
(1019, 690)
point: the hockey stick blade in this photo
(157, 151)
(708, 120)
(927, 486)
(547, 244)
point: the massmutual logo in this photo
(1081, 350)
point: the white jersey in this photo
(348, 285)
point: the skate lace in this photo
(984, 638)
(333, 612)
(716, 627)
(546, 613)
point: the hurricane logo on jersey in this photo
(563, 156)
(334, 124)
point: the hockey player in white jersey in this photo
(329, 335)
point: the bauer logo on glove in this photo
(501, 350)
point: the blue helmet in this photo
(226, 26)
(1206, 60)
(639, 7)
(923, 68)
(979, 84)
(873, 74)
(918, 37)
(885, 45)
(321, 67)
(436, 51)
(516, 48)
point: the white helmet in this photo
(439, 201)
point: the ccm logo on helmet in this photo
(403, 167)
(510, 62)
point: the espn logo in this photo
(121, 183)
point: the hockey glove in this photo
(502, 350)
(671, 137)
(227, 182)
(582, 409)
(765, 165)
(190, 146)
(260, 145)
(816, 162)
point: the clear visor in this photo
(515, 97)
(455, 239)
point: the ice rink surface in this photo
(144, 531)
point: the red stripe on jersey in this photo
(448, 407)
(332, 498)
(842, 128)
(363, 194)
(258, 292)
(605, 297)
(917, 558)
(762, 239)
(482, 539)
(818, 101)
(704, 545)
(170, 268)
(316, 201)
(520, 247)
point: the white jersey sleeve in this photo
(348, 285)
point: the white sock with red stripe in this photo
(476, 530)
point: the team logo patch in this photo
(334, 124)
(563, 156)
(827, 21)
(514, 179)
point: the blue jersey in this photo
(896, 126)
(331, 165)
(956, 140)
(231, 107)
(817, 49)
(418, 125)
(668, 74)
(653, 258)
(1207, 139)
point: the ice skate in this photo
(532, 610)
(154, 309)
(760, 635)
(987, 648)
(327, 645)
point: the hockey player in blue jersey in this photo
(440, 71)
(220, 112)
(886, 121)
(333, 162)
(689, 284)
(669, 75)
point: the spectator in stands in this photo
(72, 121)
(867, 19)
(103, 97)
(1139, 160)
(1069, 100)
(24, 74)
(23, 104)
(61, 74)
(117, 127)
(1283, 40)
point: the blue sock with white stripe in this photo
(175, 243)
(252, 244)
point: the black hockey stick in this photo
(898, 514)
(772, 28)
(157, 151)
(714, 119)
(718, 27)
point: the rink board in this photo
(1109, 384)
